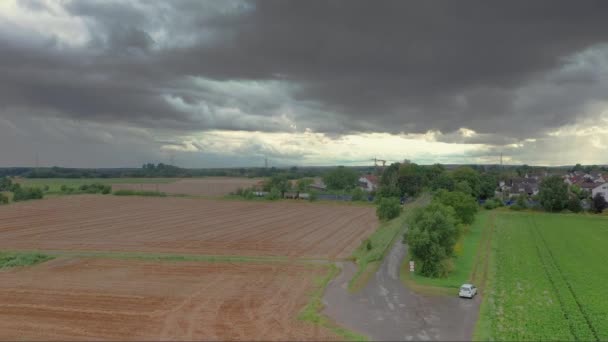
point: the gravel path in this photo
(386, 310)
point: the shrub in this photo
(313, 196)
(139, 193)
(274, 194)
(493, 203)
(574, 204)
(368, 244)
(66, 189)
(95, 188)
(6, 184)
(3, 199)
(358, 194)
(388, 208)
(24, 194)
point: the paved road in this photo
(385, 310)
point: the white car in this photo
(467, 291)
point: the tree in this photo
(463, 204)
(431, 237)
(411, 179)
(553, 193)
(464, 187)
(278, 182)
(6, 184)
(443, 181)
(599, 203)
(470, 176)
(520, 203)
(388, 208)
(341, 178)
(388, 181)
(303, 184)
(574, 204)
(487, 186)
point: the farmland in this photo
(547, 278)
(55, 184)
(92, 299)
(186, 226)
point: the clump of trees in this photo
(341, 178)
(24, 194)
(464, 205)
(432, 235)
(553, 194)
(388, 208)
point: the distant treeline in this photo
(167, 171)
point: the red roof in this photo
(371, 178)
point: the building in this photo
(601, 189)
(368, 182)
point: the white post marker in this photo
(411, 266)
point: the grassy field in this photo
(56, 183)
(369, 259)
(16, 259)
(470, 264)
(546, 279)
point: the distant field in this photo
(208, 186)
(179, 225)
(547, 278)
(110, 299)
(56, 183)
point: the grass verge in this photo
(17, 259)
(312, 311)
(369, 257)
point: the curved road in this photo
(385, 310)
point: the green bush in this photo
(139, 193)
(3, 199)
(24, 194)
(388, 208)
(574, 204)
(6, 184)
(358, 194)
(313, 196)
(493, 203)
(274, 194)
(95, 188)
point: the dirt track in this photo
(386, 310)
(210, 186)
(93, 299)
(177, 225)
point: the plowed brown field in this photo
(193, 226)
(211, 186)
(107, 299)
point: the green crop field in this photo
(56, 183)
(547, 278)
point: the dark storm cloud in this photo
(339, 66)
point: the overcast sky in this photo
(229, 83)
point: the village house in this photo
(368, 182)
(601, 189)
